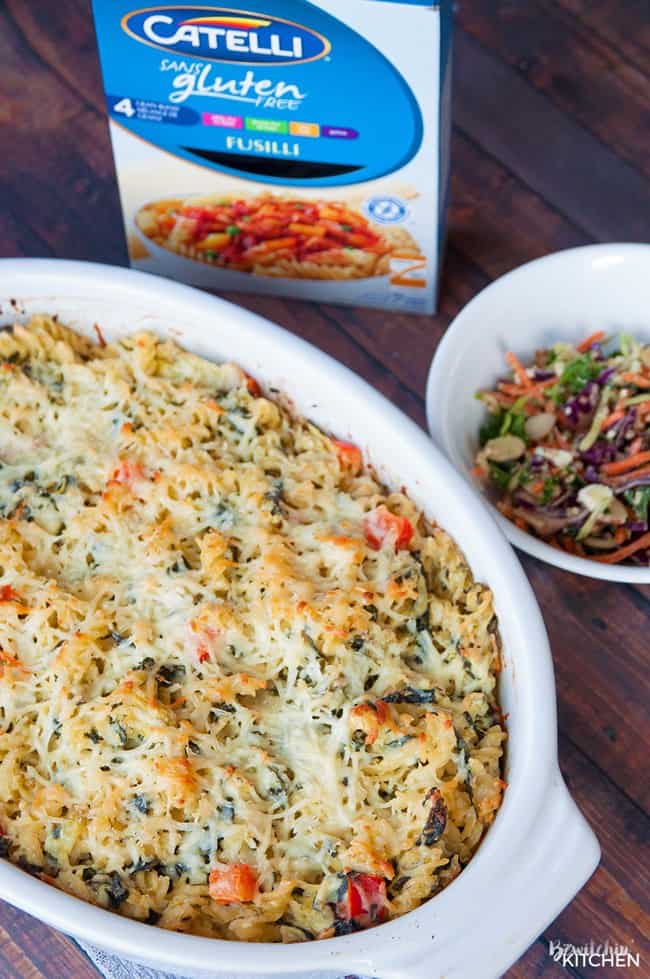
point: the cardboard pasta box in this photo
(281, 146)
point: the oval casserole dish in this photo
(540, 851)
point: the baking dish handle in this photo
(557, 857)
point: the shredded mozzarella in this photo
(204, 663)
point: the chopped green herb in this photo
(639, 500)
(492, 428)
(550, 485)
(500, 474)
(574, 377)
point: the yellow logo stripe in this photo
(243, 23)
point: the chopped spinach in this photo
(372, 611)
(410, 695)
(436, 821)
(223, 517)
(120, 730)
(142, 804)
(116, 891)
(226, 812)
(275, 497)
(145, 865)
(370, 681)
(179, 566)
(219, 707)
(343, 927)
(397, 885)
(170, 673)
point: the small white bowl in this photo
(565, 296)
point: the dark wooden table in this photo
(551, 149)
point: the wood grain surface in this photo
(551, 149)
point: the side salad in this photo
(567, 447)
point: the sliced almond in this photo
(538, 426)
(506, 448)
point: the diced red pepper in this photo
(128, 472)
(349, 455)
(234, 884)
(203, 639)
(364, 901)
(8, 594)
(252, 386)
(381, 523)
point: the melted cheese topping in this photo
(206, 662)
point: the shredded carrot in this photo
(590, 340)
(638, 380)
(521, 523)
(537, 487)
(620, 535)
(507, 400)
(612, 419)
(518, 369)
(623, 465)
(517, 390)
(643, 408)
(624, 552)
(624, 477)
(478, 471)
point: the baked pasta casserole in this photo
(274, 236)
(245, 690)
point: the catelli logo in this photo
(221, 34)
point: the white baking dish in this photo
(539, 851)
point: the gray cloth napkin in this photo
(113, 967)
